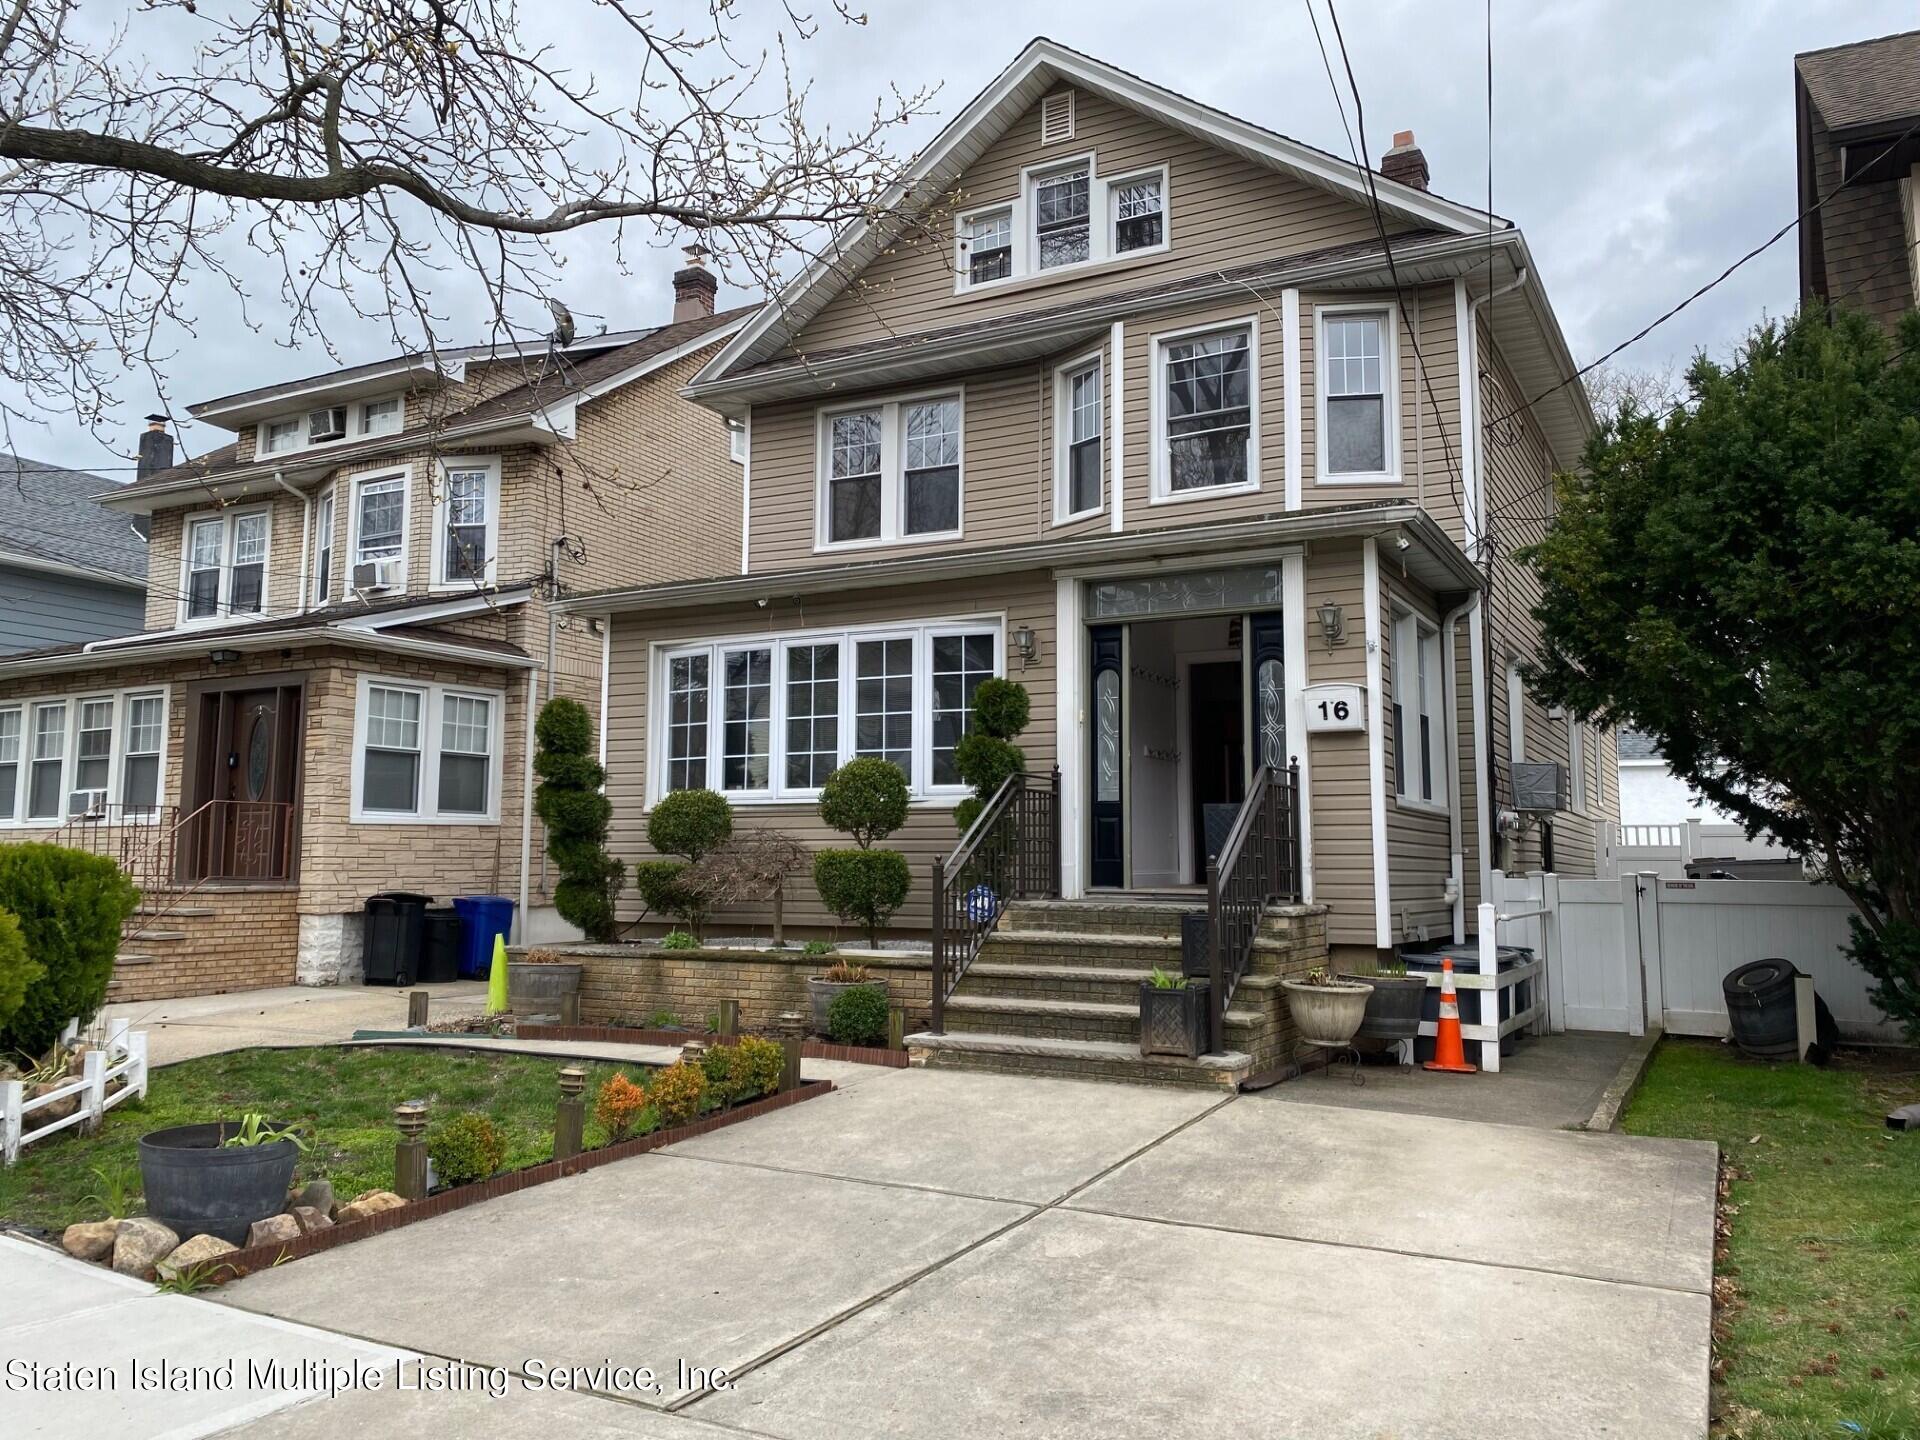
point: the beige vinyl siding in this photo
(1339, 782)
(1223, 211)
(1419, 838)
(1023, 599)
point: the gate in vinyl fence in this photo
(1641, 949)
(121, 1056)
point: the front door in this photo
(1216, 730)
(1107, 752)
(256, 753)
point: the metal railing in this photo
(1258, 864)
(169, 855)
(1010, 852)
(138, 838)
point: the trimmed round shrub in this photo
(866, 799)
(757, 1066)
(579, 772)
(18, 969)
(69, 907)
(563, 727)
(858, 1016)
(968, 811)
(862, 887)
(678, 1093)
(465, 1149)
(1001, 708)
(618, 1105)
(986, 761)
(689, 823)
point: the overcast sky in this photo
(1641, 144)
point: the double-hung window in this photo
(426, 753)
(746, 719)
(1080, 455)
(1358, 410)
(323, 549)
(1419, 733)
(1065, 215)
(1139, 213)
(989, 242)
(1062, 225)
(140, 762)
(379, 518)
(76, 755)
(468, 521)
(48, 760)
(9, 762)
(1205, 413)
(891, 471)
(92, 757)
(226, 565)
(379, 417)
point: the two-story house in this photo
(349, 628)
(1154, 411)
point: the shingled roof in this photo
(49, 513)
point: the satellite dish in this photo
(562, 323)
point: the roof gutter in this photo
(20, 560)
(379, 640)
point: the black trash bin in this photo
(440, 958)
(396, 933)
(1425, 959)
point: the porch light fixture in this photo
(223, 657)
(1333, 623)
(1025, 642)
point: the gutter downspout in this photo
(1457, 867)
(526, 807)
(306, 536)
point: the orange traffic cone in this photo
(1449, 1053)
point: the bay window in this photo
(379, 518)
(1079, 452)
(792, 709)
(1358, 409)
(891, 471)
(323, 549)
(224, 564)
(1419, 752)
(70, 755)
(92, 757)
(426, 753)
(1204, 413)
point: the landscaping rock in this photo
(362, 1207)
(315, 1194)
(273, 1228)
(140, 1244)
(54, 1110)
(90, 1240)
(311, 1219)
(197, 1251)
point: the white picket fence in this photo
(121, 1053)
(1643, 949)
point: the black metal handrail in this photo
(1258, 864)
(1010, 852)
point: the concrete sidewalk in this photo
(285, 1015)
(941, 1253)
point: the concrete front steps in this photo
(1056, 991)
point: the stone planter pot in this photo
(822, 993)
(195, 1185)
(1174, 1022)
(1393, 1010)
(540, 992)
(1328, 1015)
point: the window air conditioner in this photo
(1539, 786)
(86, 804)
(388, 574)
(325, 425)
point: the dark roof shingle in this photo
(49, 512)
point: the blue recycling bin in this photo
(481, 918)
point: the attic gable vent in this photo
(1056, 117)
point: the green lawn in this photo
(348, 1095)
(1823, 1333)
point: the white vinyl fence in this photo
(121, 1056)
(1643, 949)
(1665, 850)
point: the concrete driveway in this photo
(939, 1254)
(284, 1015)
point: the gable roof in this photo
(1868, 82)
(49, 518)
(1042, 66)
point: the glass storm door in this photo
(1107, 781)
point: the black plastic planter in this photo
(1393, 1010)
(1174, 1022)
(195, 1185)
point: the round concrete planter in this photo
(539, 990)
(1328, 1015)
(822, 993)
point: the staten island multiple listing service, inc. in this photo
(416, 1373)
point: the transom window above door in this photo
(1204, 413)
(224, 565)
(890, 471)
(1066, 215)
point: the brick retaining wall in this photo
(629, 983)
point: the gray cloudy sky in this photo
(1641, 144)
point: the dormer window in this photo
(326, 425)
(1067, 215)
(380, 417)
(330, 424)
(279, 436)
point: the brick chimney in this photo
(694, 287)
(1405, 162)
(156, 448)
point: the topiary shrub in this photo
(465, 1149)
(575, 811)
(863, 887)
(679, 1092)
(986, 756)
(866, 799)
(858, 1016)
(690, 823)
(662, 889)
(18, 969)
(69, 907)
(758, 1064)
(617, 1106)
(1001, 707)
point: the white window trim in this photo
(1063, 377)
(1410, 623)
(893, 474)
(1516, 713)
(1101, 249)
(737, 440)
(433, 698)
(70, 751)
(356, 419)
(223, 597)
(1389, 313)
(324, 550)
(1576, 766)
(355, 483)
(920, 786)
(1162, 493)
(491, 464)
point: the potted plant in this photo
(218, 1179)
(1328, 1011)
(1393, 1010)
(542, 984)
(839, 977)
(1173, 1015)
